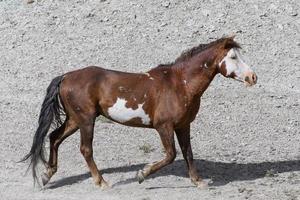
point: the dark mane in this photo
(228, 41)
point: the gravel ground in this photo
(246, 141)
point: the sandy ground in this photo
(246, 141)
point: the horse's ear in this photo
(230, 43)
(231, 36)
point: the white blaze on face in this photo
(235, 64)
(121, 113)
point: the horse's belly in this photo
(122, 114)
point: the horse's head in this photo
(231, 64)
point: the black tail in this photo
(50, 114)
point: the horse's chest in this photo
(190, 111)
(121, 113)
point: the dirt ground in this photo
(246, 141)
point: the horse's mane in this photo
(228, 41)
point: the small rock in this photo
(30, 1)
(166, 4)
(241, 190)
(163, 24)
(105, 19)
(280, 26)
(291, 85)
(90, 15)
(115, 11)
(263, 15)
(294, 14)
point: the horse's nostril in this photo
(254, 78)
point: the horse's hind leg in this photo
(86, 148)
(183, 136)
(166, 133)
(56, 138)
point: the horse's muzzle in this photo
(250, 79)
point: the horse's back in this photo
(95, 89)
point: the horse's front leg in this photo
(184, 140)
(166, 133)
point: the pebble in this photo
(163, 24)
(241, 190)
(294, 14)
(166, 4)
(90, 15)
(105, 19)
(280, 26)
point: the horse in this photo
(165, 98)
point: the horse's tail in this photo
(50, 114)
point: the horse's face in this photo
(233, 66)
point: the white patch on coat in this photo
(234, 63)
(150, 77)
(184, 81)
(121, 113)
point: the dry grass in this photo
(146, 148)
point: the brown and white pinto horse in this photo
(166, 98)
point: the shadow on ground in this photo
(221, 173)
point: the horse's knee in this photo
(86, 151)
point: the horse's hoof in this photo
(104, 185)
(45, 178)
(201, 185)
(140, 176)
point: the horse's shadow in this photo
(220, 173)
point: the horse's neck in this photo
(198, 75)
